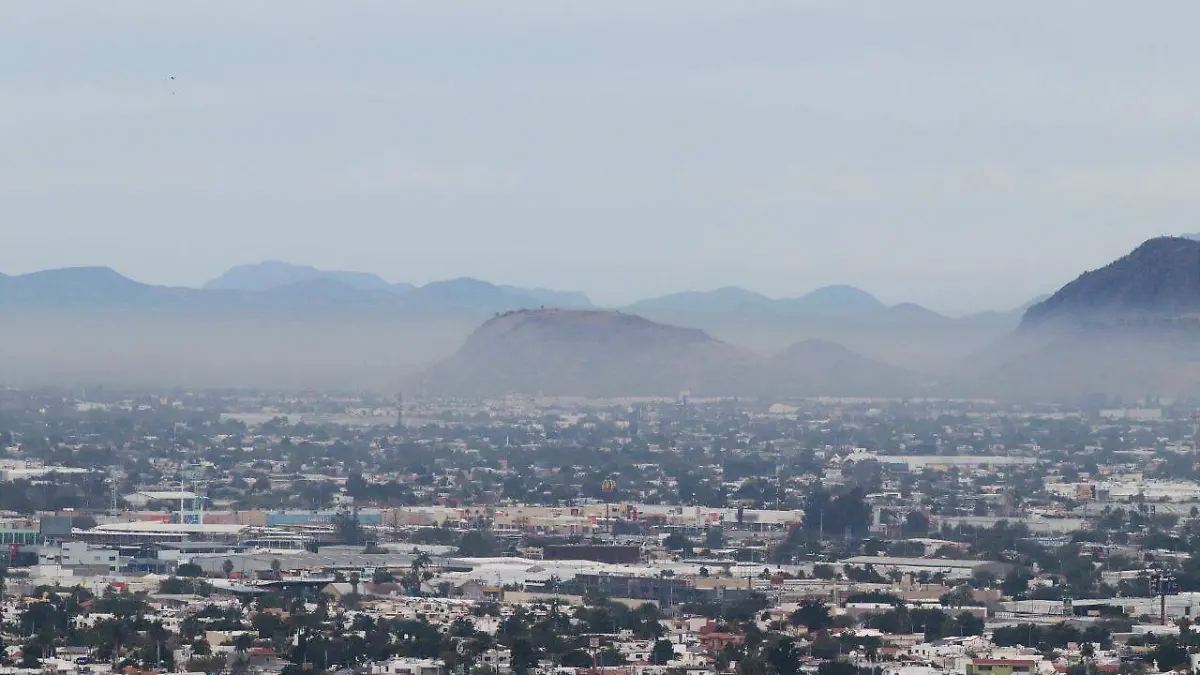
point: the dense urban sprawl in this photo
(260, 532)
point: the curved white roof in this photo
(156, 527)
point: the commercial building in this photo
(950, 567)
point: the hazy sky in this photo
(959, 154)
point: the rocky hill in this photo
(587, 353)
(1127, 329)
(601, 353)
(1158, 280)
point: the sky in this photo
(962, 155)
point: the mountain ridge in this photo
(825, 301)
(271, 274)
(1160, 278)
(1129, 328)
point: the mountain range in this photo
(1129, 328)
(276, 285)
(468, 293)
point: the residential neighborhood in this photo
(203, 532)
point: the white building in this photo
(407, 666)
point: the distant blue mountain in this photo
(99, 288)
(271, 274)
(553, 298)
(825, 302)
(278, 324)
(725, 300)
(466, 294)
(275, 274)
(76, 286)
(835, 301)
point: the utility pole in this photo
(1195, 432)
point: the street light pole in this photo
(1162, 584)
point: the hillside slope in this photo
(1159, 279)
(587, 353)
(822, 368)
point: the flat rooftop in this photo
(888, 561)
(154, 527)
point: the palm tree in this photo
(241, 644)
(276, 569)
(354, 579)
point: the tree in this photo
(812, 614)
(916, 524)
(677, 541)
(476, 544)
(189, 570)
(355, 579)
(178, 586)
(576, 658)
(31, 654)
(625, 527)
(347, 528)
(961, 596)
(276, 569)
(1014, 584)
(241, 644)
(714, 537)
(227, 568)
(524, 656)
(823, 571)
(833, 515)
(783, 657)
(969, 624)
(662, 653)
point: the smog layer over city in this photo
(699, 337)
